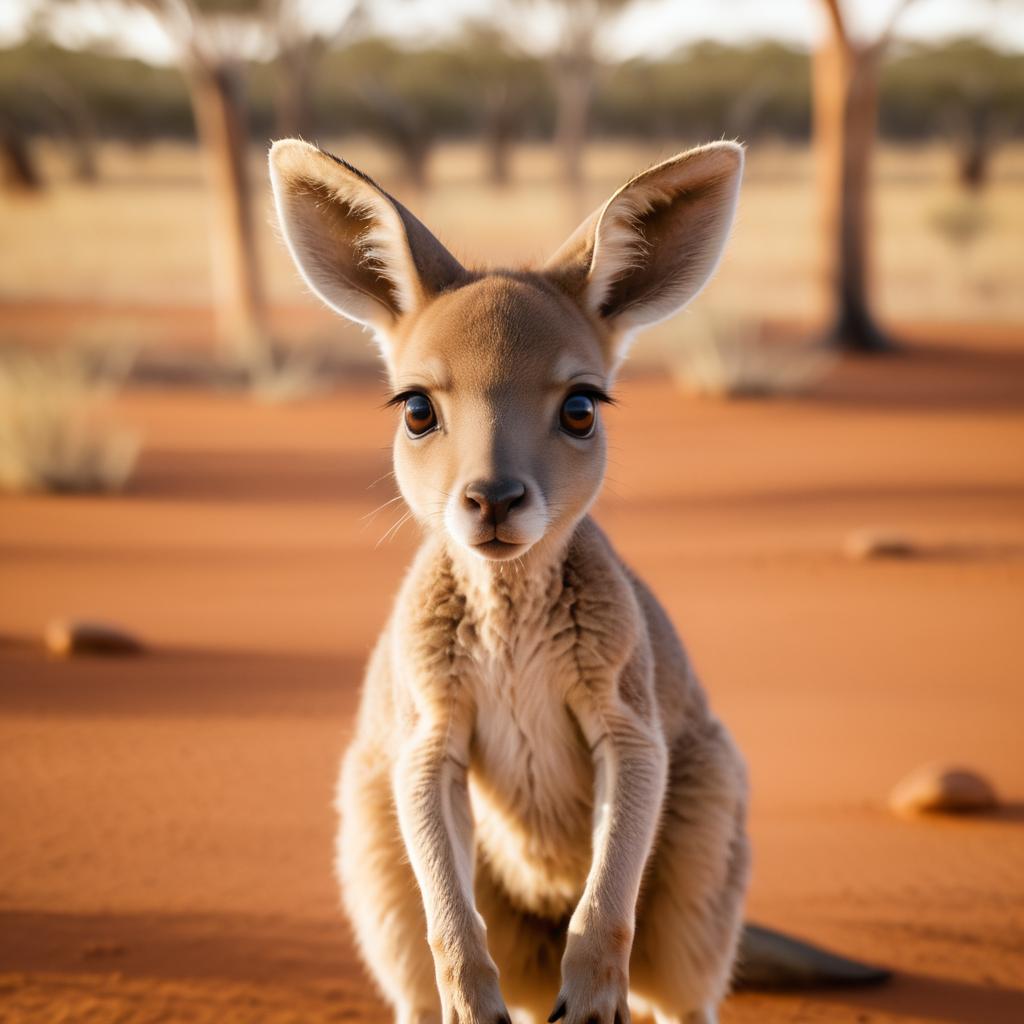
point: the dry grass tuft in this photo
(52, 437)
(279, 375)
(727, 359)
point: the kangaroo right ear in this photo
(360, 250)
(652, 247)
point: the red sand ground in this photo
(165, 852)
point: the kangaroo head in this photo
(500, 375)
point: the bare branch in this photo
(838, 22)
(184, 26)
(885, 38)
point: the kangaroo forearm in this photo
(624, 834)
(434, 816)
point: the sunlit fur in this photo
(538, 808)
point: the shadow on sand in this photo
(923, 996)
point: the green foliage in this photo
(361, 82)
(708, 91)
(454, 90)
(129, 99)
(931, 90)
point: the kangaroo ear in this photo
(360, 250)
(651, 248)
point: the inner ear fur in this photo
(656, 242)
(359, 249)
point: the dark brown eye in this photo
(419, 415)
(578, 415)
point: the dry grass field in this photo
(166, 820)
(105, 262)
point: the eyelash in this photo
(403, 396)
(595, 393)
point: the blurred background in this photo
(883, 185)
(818, 466)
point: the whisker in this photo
(379, 508)
(390, 472)
(394, 528)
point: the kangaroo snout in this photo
(493, 500)
(497, 517)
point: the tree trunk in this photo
(74, 121)
(573, 87)
(974, 156)
(499, 132)
(85, 166)
(499, 151)
(294, 104)
(414, 151)
(18, 168)
(218, 106)
(845, 119)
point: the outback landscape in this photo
(167, 846)
(167, 816)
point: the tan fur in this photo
(538, 808)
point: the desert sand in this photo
(165, 849)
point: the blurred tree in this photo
(964, 90)
(48, 103)
(707, 90)
(507, 85)
(18, 168)
(845, 89)
(214, 40)
(756, 91)
(127, 98)
(504, 81)
(300, 45)
(211, 39)
(73, 121)
(404, 125)
(977, 142)
(406, 98)
(574, 66)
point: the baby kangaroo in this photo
(538, 810)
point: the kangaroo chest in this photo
(531, 775)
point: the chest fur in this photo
(531, 775)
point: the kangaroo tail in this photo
(769, 959)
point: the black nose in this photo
(494, 499)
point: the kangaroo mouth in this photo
(499, 550)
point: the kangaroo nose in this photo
(495, 498)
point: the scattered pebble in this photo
(942, 789)
(877, 543)
(67, 638)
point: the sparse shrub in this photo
(728, 359)
(52, 436)
(276, 374)
(961, 222)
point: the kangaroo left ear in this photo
(359, 249)
(653, 246)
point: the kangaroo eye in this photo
(578, 415)
(419, 415)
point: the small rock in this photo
(941, 789)
(67, 638)
(876, 543)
